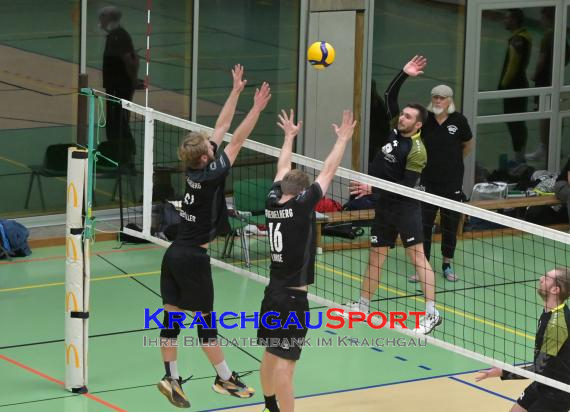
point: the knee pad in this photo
(172, 329)
(207, 335)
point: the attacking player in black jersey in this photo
(401, 160)
(291, 223)
(448, 139)
(551, 349)
(186, 276)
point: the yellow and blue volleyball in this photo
(320, 55)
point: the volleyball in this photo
(320, 55)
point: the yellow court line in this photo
(47, 285)
(98, 279)
(43, 285)
(440, 306)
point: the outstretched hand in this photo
(415, 66)
(345, 130)
(489, 373)
(287, 123)
(262, 97)
(237, 74)
(359, 189)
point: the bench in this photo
(344, 216)
(514, 202)
(510, 203)
(368, 214)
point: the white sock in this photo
(171, 369)
(430, 308)
(364, 304)
(223, 370)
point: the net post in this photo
(75, 309)
(79, 234)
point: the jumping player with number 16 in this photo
(291, 222)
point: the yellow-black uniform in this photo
(400, 160)
(551, 359)
(443, 172)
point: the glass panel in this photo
(264, 38)
(507, 106)
(116, 60)
(171, 52)
(40, 54)
(502, 146)
(516, 48)
(397, 27)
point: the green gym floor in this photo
(123, 373)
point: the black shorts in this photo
(285, 343)
(186, 278)
(393, 217)
(538, 397)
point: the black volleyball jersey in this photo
(204, 206)
(397, 155)
(291, 228)
(444, 145)
(551, 347)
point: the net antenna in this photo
(492, 319)
(147, 54)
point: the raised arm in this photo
(290, 129)
(227, 114)
(344, 134)
(260, 100)
(413, 68)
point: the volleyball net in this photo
(490, 314)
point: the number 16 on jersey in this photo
(275, 237)
(275, 242)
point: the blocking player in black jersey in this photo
(291, 223)
(448, 139)
(401, 159)
(186, 276)
(551, 349)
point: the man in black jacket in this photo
(120, 69)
